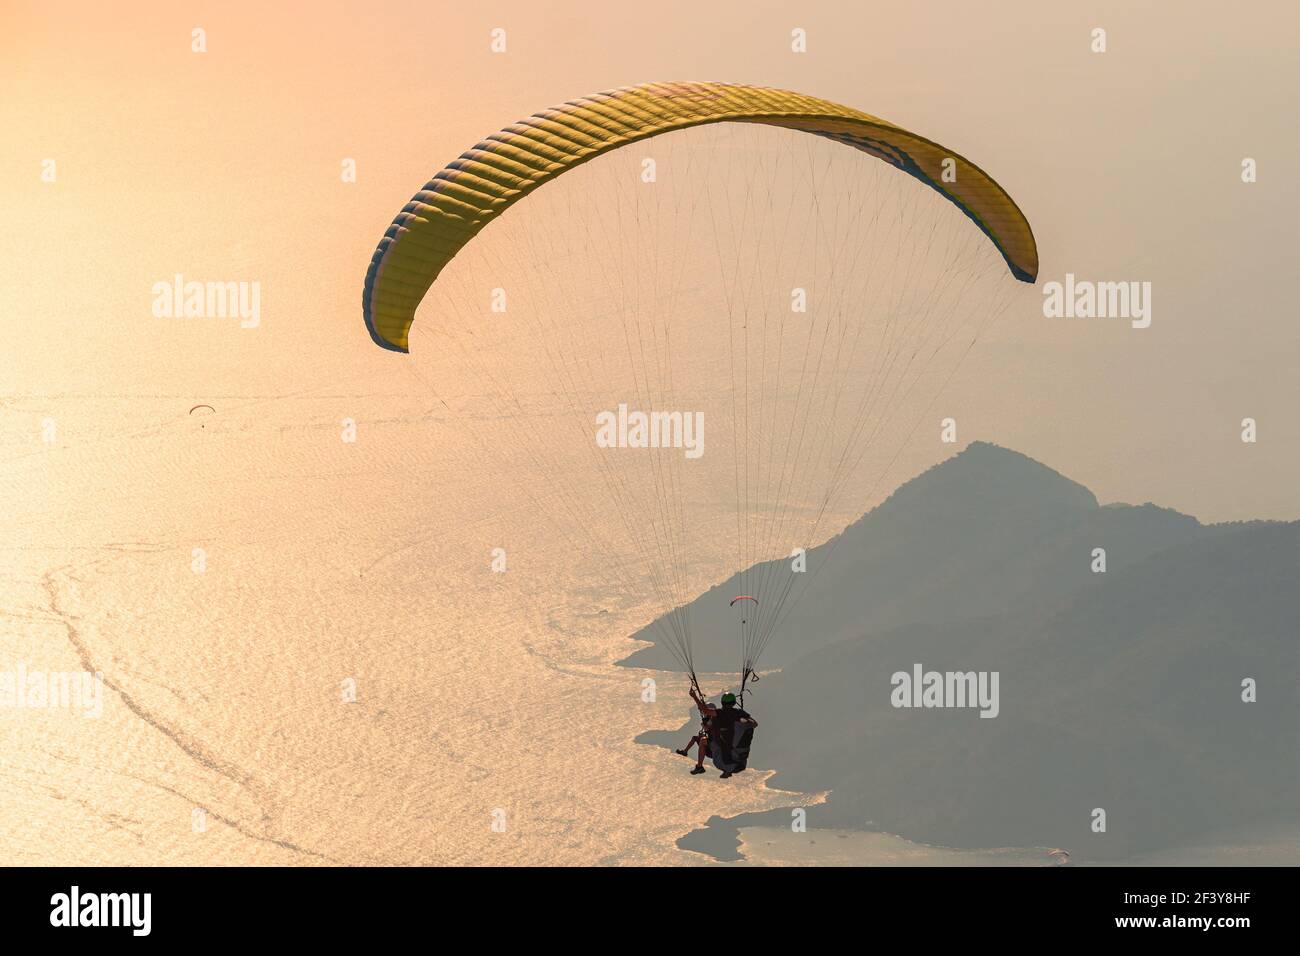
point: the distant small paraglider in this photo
(743, 597)
(1062, 857)
(202, 410)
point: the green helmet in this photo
(728, 698)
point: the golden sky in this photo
(227, 163)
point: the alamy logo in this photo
(179, 299)
(22, 689)
(624, 429)
(951, 689)
(102, 909)
(1083, 299)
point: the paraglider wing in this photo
(913, 288)
(197, 407)
(488, 179)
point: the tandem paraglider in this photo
(725, 735)
(806, 275)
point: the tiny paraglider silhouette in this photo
(743, 597)
(201, 411)
(1062, 857)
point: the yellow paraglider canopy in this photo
(489, 178)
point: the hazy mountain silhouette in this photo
(984, 529)
(1119, 691)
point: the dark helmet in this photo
(728, 699)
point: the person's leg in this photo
(726, 750)
(686, 751)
